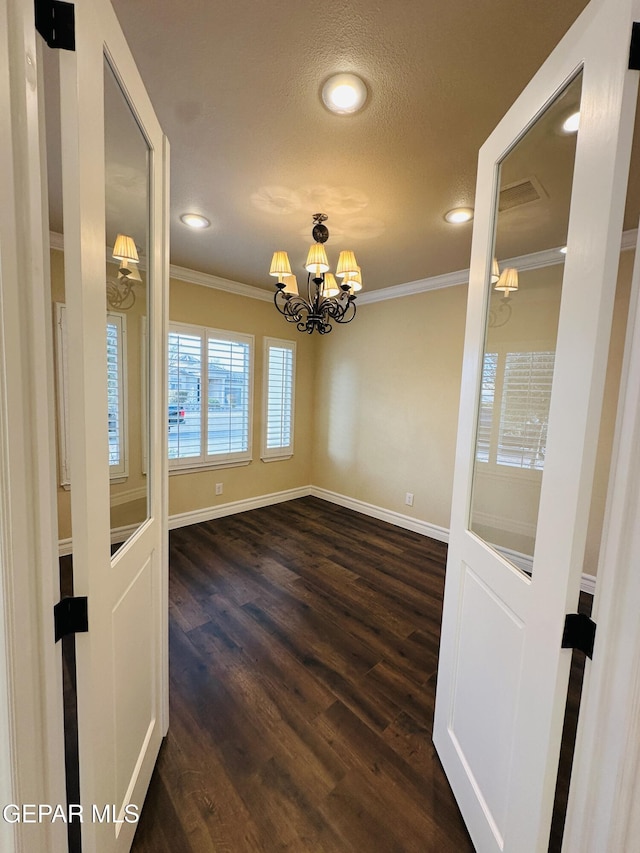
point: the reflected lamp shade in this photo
(124, 249)
(508, 281)
(129, 270)
(346, 264)
(280, 266)
(495, 271)
(317, 262)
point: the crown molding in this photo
(214, 281)
(536, 260)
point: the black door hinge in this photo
(55, 21)
(634, 49)
(579, 633)
(70, 616)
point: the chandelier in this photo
(326, 300)
(120, 293)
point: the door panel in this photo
(122, 660)
(502, 674)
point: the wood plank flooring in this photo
(304, 641)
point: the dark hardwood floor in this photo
(304, 642)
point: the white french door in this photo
(114, 171)
(533, 377)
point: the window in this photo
(116, 394)
(210, 383)
(517, 385)
(278, 397)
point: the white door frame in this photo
(31, 715)
(605, 783)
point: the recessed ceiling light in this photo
(571, 123)
(459, 214)
(344, 94)
(194, 220)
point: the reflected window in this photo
(116, 399)
(115, 393)
(514, 408)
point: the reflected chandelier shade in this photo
(327, 300)
(120, 293)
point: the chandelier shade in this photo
(327, 301)
(280, 265)
(317, 261)
(346, 264)
(354, 279)
(330, 285)
(291, 285)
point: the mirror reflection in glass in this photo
(521, 331)
(127, 233)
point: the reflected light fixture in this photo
(459, 215)
(344, 94)
(506, 282)
(120, 293)
(195, 220)
(572, 123)
(327, 299)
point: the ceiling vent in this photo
(522, 192)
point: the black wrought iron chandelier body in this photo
(327, 301)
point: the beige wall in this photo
(387, 390)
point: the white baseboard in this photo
(65, 546)
(127, 497)
(392, 517)
(218, 511)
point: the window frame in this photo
(117, 473)
(206, 460)
(282, 452)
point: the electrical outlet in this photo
(218, 488)
(408, 498)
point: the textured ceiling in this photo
(236, 86)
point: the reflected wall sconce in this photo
(120, 292)
(327, 300)
(507, 282)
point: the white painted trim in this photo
(182, 519)
(127, 497)
(206, 280)
(602, 813)
(31, 719)
(435, 282)
(388, 515)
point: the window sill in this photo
(207, 466)
(282, 458)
